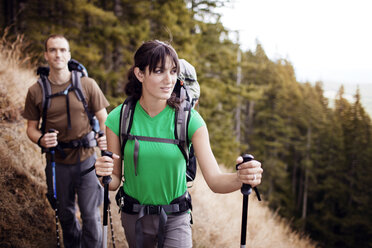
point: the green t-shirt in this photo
(161, 168)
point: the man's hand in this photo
(49, 140)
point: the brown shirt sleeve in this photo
(93, 94)
(33, 103)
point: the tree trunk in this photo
(238, 81)
(304, 200)
(294, 178)
(249, 119)
(300, 190)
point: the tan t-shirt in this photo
(57, 115)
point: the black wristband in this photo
(38, 142)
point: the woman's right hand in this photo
(105, 165)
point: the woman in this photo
(159, 178)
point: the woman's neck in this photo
(152, 108)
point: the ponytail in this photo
(134, 86)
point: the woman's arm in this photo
(106, 166)
(218, 181)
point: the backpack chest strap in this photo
(65, 93)
(145, 138)
(154, 139)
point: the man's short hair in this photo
(54, 36)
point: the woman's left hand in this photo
(249, 172)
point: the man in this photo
(68, 117)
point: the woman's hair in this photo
(151, 54)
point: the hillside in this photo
(26, 219)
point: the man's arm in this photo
(101, 117)
(34, 134)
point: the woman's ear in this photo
(139, 74)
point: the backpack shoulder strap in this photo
(76, 84)
(78, 89)
(46, 92)
(182, 118)
(126, 120)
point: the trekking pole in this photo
(246, 191)
(112, 227)
(53, 164)
(106, 181)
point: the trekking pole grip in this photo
(106, 179)
(51, 150)
(246, 188)
(100, 134)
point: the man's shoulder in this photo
(89, 84)
(93, 91)
(35, 88)
(88, 81)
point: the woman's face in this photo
(158, 84)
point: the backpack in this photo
(78, 71)
(188, 90)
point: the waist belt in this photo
(87, 141)
(130, 205)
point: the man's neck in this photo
(59, 76)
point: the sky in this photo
(327, 40)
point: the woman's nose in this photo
(170, 77)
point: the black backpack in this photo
(78, 71)
(188, 90)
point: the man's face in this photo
(58, 53)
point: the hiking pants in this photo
(177, 230)
(89, 193)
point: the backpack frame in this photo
(77, 71)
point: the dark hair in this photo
(54, 36)
(151, 54)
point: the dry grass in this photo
(217, 221)
(26, 219)
(16, 76)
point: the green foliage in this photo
(316, 159)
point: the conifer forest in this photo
(316, 154)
